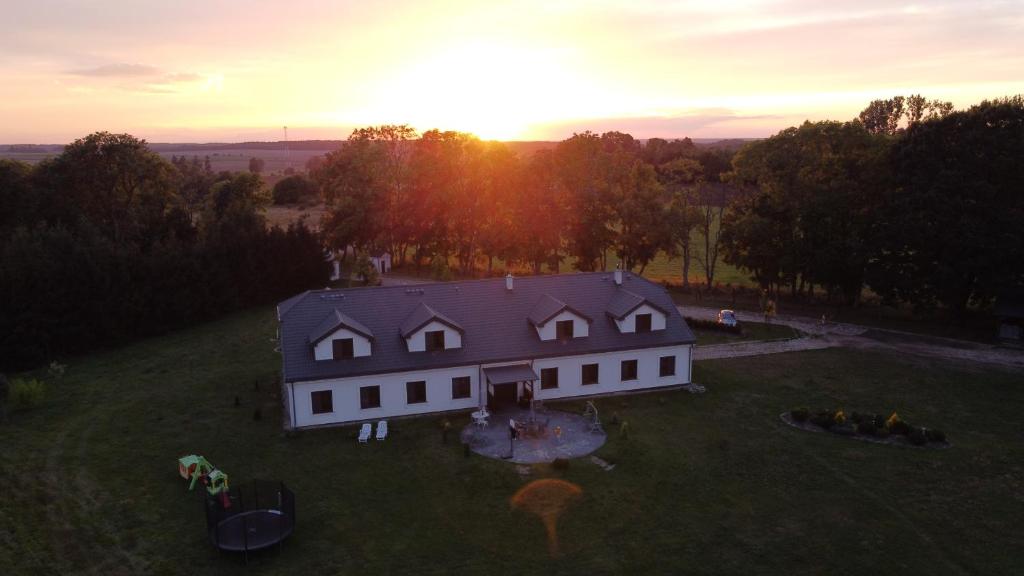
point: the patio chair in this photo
(382, 430)
(364, 432)
(481, 421)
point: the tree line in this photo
(107, 242)
(448, 196)
(913, 200)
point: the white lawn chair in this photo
(382, 430)
(364, 432)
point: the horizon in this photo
(228, 71)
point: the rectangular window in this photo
(369, 397)
(643, 322)
(589, 376)
(563, 329)
(548, 378)
(416, 392)
(435, 340)
(667, 366)
(460, 387)
(322, 401)
(628, 370)
(342, 348)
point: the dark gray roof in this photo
(494, 322)
(336, 319)
(423, 315)
(548, 307)
(626, 301)
(513, 373)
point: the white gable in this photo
(324, 350)
(628, 324)
(549, 331)
(417, 342)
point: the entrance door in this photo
(504, 395)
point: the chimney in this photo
(508, 282)
(618, 275)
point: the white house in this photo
(370, 353)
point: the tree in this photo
(112, 180)
(539, 212)
(256, 165)
(713, 200)
(883, 116)
(642, 217)
(583, 168)
(293, 190)
(680, 177)
(949, 231)
(808, 215)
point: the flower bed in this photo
(868, 427)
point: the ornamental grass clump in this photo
(800, 414)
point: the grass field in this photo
(710, 483)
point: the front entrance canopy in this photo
(510, 374)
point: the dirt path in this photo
(817, 336)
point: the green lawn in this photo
(751, 331)
(711, 483)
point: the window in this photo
(435, 340)
(563, 329)
(322, 401)
(643, 322)
(416, 392)
(589, 374)
(548, 378)
(667, 366)
(369, 397)
(460, 387)
(628, 370)
(342, 348)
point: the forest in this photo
(914, 201)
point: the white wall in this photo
(570, 372)
(345, 396)
(324, 350)
(417, 342)
(628, 324)
(549, 331)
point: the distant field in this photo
(230, 159)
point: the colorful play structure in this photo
(243, 518)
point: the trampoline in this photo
(257, 516)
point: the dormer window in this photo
(427, 330)
(633, 313)
(643, 322)
(563, 329)
(556, 320)
(434, 340)
(340, 337)
(343, 348)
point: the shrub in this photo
(917, 437)
(900, 427)
(935, 435)
(824, 419)
(856, 417)
(294, 189)
(881, 432)
(26, 394)
(844, 429)
(560, 464)
(839, 417)
(800, 414)
(866, 427)
(712, 325)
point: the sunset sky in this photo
(231, 70)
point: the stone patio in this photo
(576, 439)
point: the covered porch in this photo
(508, 387)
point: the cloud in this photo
(120, 70)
